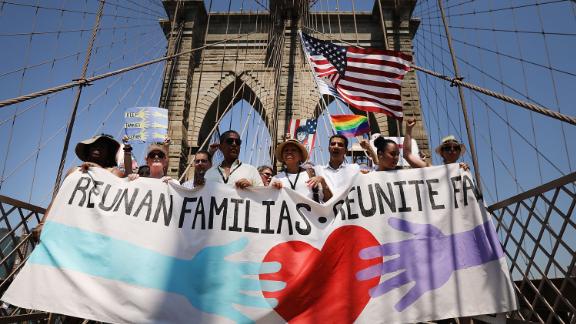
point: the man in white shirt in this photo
(231, 171)
(202, 162)
(337, 172)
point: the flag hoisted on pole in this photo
(368, 79)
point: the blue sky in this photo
(517, 150)
(31, 142)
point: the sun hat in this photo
(281, 146)
(450, 139)
(83, 146)
(157, 147)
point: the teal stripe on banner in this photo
(209, 281)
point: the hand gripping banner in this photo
(401, 246)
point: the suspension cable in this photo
(87, 81)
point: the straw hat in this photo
(281, 146)
(113, 146)
(450, 139)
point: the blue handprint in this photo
(429, 258)
(211, 283)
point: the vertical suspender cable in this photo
(77, 98)
(462, 101)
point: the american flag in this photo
(368, 79)
(303, 130)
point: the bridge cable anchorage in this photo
(73, 84)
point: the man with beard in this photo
(337, 172)
(231, 171)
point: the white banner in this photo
(401, 246)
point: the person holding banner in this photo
(265, 173)
(337, 172)
(157, 162)
(449, 149)
(292, 154)
(96, 152)
(388, 154)
(231, 171)
(202, 163)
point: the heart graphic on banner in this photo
(321, 285)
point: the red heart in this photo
(321, 286)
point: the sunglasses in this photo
(231, 141)
(198, 161)
(266, 174)
(337, 144)
(448, 148)
(158, 154)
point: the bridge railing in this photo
(537, 229)
(17, 219)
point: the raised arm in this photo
(412, 159)
(368, 148)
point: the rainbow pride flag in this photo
(350, 125)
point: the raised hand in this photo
(429, 258)
(410, 123)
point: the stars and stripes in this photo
(304, 130)
(366, 78)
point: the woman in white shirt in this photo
(292, 154)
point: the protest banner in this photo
(399, 246)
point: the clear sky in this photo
(517, 150)
(515, 47)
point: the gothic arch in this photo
(228, 91)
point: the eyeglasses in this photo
(231, 141)
(337, 144)
(158, 154)
(448, 148)
(198, 161)
(266, 174)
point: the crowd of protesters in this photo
(319, 183)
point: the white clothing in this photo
(297, 181)
(338, 179)
(238, 171)
(188, 184)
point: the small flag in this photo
(304, 130)
(350, 125)
(368, 79)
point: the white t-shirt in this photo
(297, 181)
(338, 179)
(238, 171)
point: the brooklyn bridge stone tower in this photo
(258, 57)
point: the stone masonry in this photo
(199, 87)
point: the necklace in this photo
(224, 178)
(293, 185)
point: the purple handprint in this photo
(429, 258)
